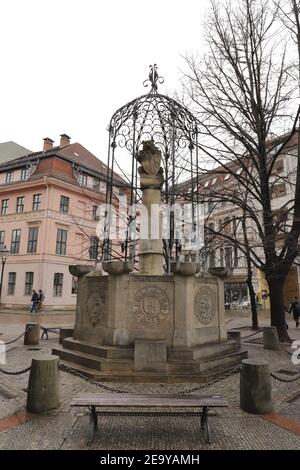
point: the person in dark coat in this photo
(34, 302)
(295, 310)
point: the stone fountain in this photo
(148, 326)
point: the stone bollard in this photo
(43, 385)
(236, 336)
(255, 387)
(271, 340)
(32, 334)
(65, 333)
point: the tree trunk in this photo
(277, 307)
(253, 304)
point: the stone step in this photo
(223, 361)
(145, 377)
(202, 352)
(109, 352)
(180, 367)
(77, 357)
(94, 362)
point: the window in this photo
(58, 284)
(94, 247)
(82, 179)
(11, 283)
(278, 190)
(24, 174)
(15, 242)
(28, 283)
(64, 204)
(235, 257)
(36, 202)
(2, 236)
(227, 225)
(20, 204)
(221, 257)
(95, 214)
(96, 184)
(228, 257)
(212, 259)
(4, 206)
(32, 239)
(61, 242)
(74, 285)
(9, 177)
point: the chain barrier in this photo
(16, 339)
(280, 379)
(252, 334)
(212, 382)
(19, 372)
(93, 382)
(114, 390)
(52, 330)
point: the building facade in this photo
(49, 211)
(224, 215)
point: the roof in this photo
(73, 153)
(11, 150)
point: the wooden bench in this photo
(117, 401)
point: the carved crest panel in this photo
(151, 306)
(205, 305)
(96, 308)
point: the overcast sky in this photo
(67, 65)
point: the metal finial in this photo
(153, 79)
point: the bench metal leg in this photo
(93, 424)
(205, 426)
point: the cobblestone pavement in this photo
(66, 428)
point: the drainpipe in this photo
(43, 254)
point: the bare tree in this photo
(244, 92)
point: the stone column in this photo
(151, 179)
(151, 249)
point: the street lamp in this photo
(3, 256)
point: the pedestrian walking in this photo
(41, 299)
(34, 302)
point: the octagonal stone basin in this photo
(117, 267)
(185, 269)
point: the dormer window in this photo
(24, 174)
(9, 177)
(82, 179)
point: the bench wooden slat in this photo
(153, 400)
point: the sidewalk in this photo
(66, 428)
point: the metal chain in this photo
(16, 339)
(280, 379)
(19, 372)
(114, 390)
(53, 330)
(252, 334)
(212, 382)
(93, 382)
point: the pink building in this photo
(48, 217)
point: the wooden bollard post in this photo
(255, 387)
(43, 385)
(32, 334)
(271, 339)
